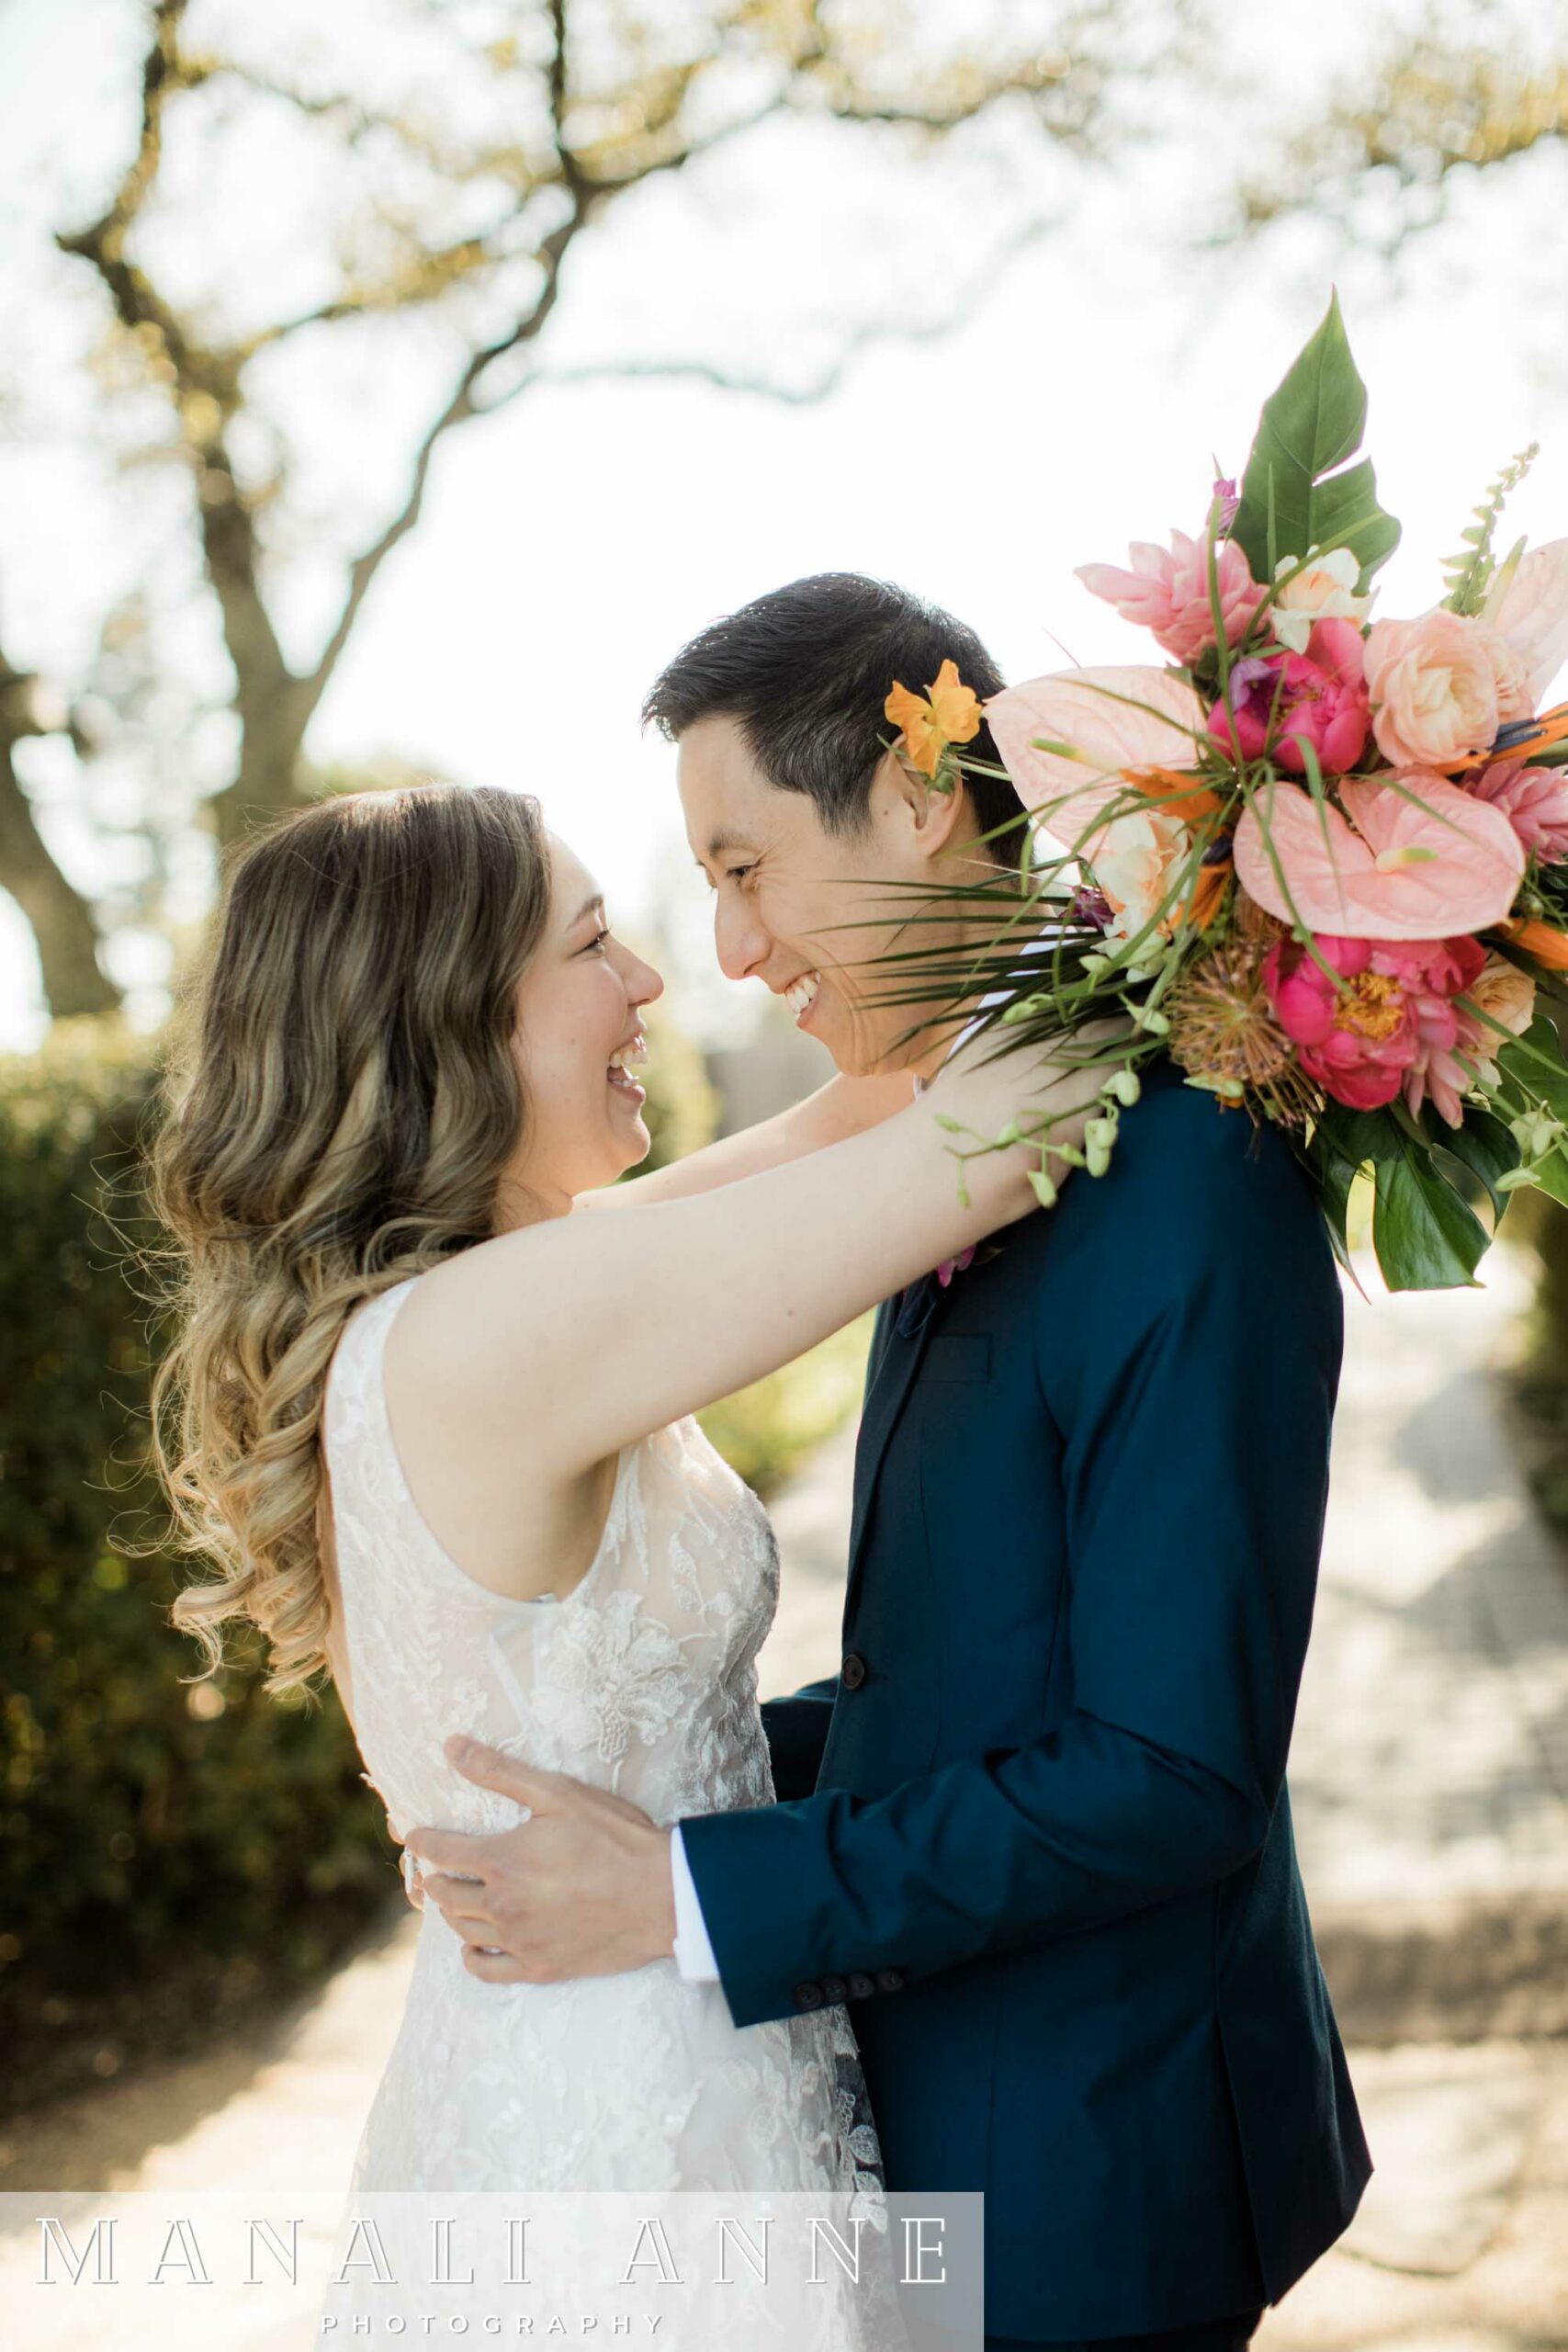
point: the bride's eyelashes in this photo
(596, 943)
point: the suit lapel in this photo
(897, 1353)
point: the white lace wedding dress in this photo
(641, 1679)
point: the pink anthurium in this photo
(1405, 872)
(1113, 719)
(1533, 615)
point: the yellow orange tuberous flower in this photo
(1541, 940)
(948, 712)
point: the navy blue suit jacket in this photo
(1037, 1832)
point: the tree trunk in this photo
(61, 920)
(267, 784)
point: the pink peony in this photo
(1318, 697)
(1434, 685)
(1363, 1045)
(1170, 593)
(1535, 801)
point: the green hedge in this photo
(166, 1849)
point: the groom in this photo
(1036, 1830)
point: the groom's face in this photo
(783, 886)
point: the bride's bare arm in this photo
(844, 1107)
(551, 1346)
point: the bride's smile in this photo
(579, 1043)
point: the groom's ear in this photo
(935, 816)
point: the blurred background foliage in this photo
(169, 1853)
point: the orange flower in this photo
(1208, 894)
(1550, 728)
(948, 712)
(1548, 945)
(1175, 795)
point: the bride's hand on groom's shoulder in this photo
(1065, 1077)
(580, 1887)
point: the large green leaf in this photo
(1333, 1171)
(1482, 1143)
(1292, 497)
(1357, 1135)
(1546, 1079)
(1425, 1235)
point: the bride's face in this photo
(578, 1010)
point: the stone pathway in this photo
(1431, 1761)
(1429, 1776)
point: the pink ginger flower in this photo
(1170, 593)
(1285, 699)
(1442, 1030)
(1535, 801)
(1390, 1030)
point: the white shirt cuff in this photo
(693, 1950)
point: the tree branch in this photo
(437, 269)
(136, 303)
(598, 144)
(60, 918)
(1430, 111)
(822, 385)
(587, 192)
(460, 408)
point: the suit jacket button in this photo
(808, 1995)
(888, 1980)
(834, 1989)
(861, 1987)
(851, 1674)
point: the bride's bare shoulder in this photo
(481, 1291)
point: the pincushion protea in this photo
(1224, 1032)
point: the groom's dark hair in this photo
(806, 670)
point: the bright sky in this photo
(571, 543)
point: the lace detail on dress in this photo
(642, 1680)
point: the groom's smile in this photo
(803, 908)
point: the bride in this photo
(430, 1405)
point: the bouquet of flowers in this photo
(1320, 857)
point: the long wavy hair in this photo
(343, 1099)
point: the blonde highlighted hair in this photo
(340, 1117)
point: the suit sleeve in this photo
(1189, 1331)
(796, 1731)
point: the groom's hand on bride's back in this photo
(581, 1888)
